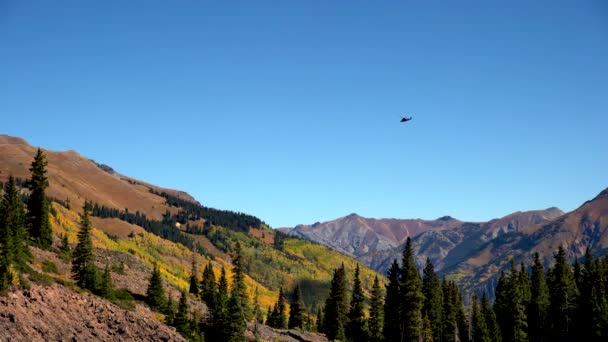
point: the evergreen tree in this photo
(502, 307)
(392, 328)
(520, 292)
(449, 327)
(84, 270)
(208, 286)
(220, 308)
(490, 318)
(357, 329)
(257, 311)
(193, 273)
(180, 320)
(376, 317)
(461, 318)
(479, 329)
(336, 307)
(106, 288)
(592, 312)
(155, 295)
(38, 206)
(169, 311)
(14, 249)
(238, 281)
(411, 295)
(65, 250)
(431, 290)
(296, 309)
(269, 319)
(562, 294)
(234, 329)
(539, 302)
(277, 317)
(319, 327)
(426, 333)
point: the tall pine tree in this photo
(376, 314)
(539, 302)
(411, 295)
(490, 318)
(193, 277)
(14, 249)
(296, 309)
(238, 281)
(84, 270)
(208, 286)
(357, 327)
(479, 329)
(155, 294)
(181, 321)
(38, 206)
(563, 297)
(336, 307)
(392, 322)
(431, 289)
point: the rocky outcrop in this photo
(56, 313)
(265, 333)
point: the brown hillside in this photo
(75, 178)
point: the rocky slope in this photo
(55, 313)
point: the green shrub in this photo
(48, 266)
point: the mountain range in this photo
(472, 252)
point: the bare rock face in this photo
(55, 313)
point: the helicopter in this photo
(404, 119)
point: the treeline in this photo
(224, 218)
(23, 224)
(563, 303)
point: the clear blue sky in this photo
(289, 110)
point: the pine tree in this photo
(38, 206)
(449, 325)
(479, 329)
(426, 333)
(278, 318)
(84, 270)
(432, 298)
(461, 317)
(336, 307)
(319, 326)
(411, 295)
(376, 317)
(193, 273)
(520, 289)
(106, 288)
(14, 250)
(219, 311)
(392, 327)
(238, 281)
(234, 329)
(180, 320)
(539, 302)
(296, 309)
(563, 297)
(257, 310)
(357, 328)
(490, 318)
(502, 306)
(592, 311)
(155, 295)
(208, 286)
(65, 250)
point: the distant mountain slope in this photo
(357, 236)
